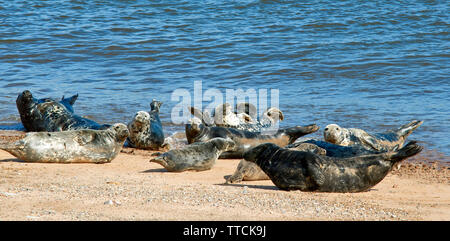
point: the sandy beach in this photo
(132, 188)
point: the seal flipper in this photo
(237, 176)
(70, 100)
(203, 116)
(85, 138)
(408, 150)
(14, 148)
(298, 131)
(405, 130)
(316, 173)
(372, 143)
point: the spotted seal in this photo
(194, 157)
(50, 115)
(244, 118)
(245, 139)
(249, 171)
(386, 141)
(78, 146)
(306, 171)
(146, 130)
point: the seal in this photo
(194, 157)
(78, 146)
(244, 118)
(50, 115)
(146, 130)
(69, 102)
(245, 139)
(386, 141)
(306, 171)
(249, 171)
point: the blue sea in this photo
(374, 65)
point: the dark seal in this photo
(78, 146)
(245, 139)
(306, 171)
(50, 115)
(194, 157)
(249, 171)
(146, 131)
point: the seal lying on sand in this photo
(249, 171)
(196, 157)
(386, 141)
(79, 146)
(50, 115)
(245, 139)
(243, 119)
(146, 130)
(305, 171)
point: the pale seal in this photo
(249, 171)
(386, 141)
(245, 139)
(146, 130)
(306, 171)
(78, 146)
(50, 115)
(194, 157)
(244, 118)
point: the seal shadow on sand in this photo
(12, 160)
(264, 187)
(155, 170)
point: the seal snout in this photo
(331, 133)
(121, 130)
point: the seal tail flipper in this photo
(160, 160)
(407, 151)
(407, 129)
(298, 131)
(203, 116)
(14, 148)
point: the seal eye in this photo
(326, 129)
(337, 129)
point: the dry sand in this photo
(132, 188)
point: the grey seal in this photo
(194, 157)
(50, 115)
(78, 146)
(249, 171)
(244, 118)
(306, 171)
(146, 131)
(245, 139)
(385, 141)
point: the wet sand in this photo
(132, 188)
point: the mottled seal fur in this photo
(146, 130)
(386, 141)
(245, 139)
(306, 171)
(244, 118)
(194, 157)
(78, 146)
(249, 171)
(50, 115)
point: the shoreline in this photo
(132, 188)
